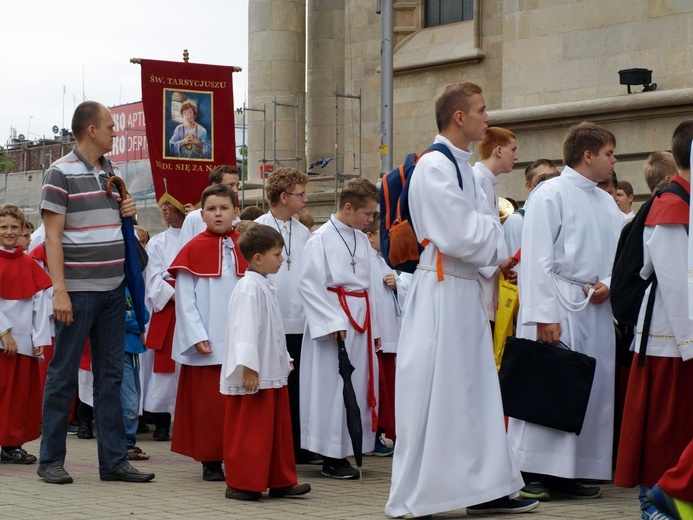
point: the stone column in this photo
(326, 21)
(276, 67)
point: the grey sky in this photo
(86, 46)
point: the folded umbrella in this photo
(353, 412)
(135, 256)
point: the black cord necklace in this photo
(353, 261)
(287, 245)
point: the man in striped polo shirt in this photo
(85, 251)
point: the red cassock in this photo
(21, 391)
(657, 421)
(199, 416)
(258, 442)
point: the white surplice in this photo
(28, 322)
(512, 229)
(487, 181)
(159, 389)
(451, 450)
(193, 225)
(286, 280)
(571, 229)
(202, 306)
(257, 340)
(326, 262)
(671, 329)
(389, 311)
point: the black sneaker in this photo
(504, 505)
(85, 431)
(535, 490)
(161, 434)
(212, 472)
(308, 457)
(577, 491)
(338, 468)
(16, 456)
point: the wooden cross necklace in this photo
(287, 245)
(353, 261)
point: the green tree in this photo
(4, 163)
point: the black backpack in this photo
(627, 286)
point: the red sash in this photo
(160, 337)
(342, 293)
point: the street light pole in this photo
(386, 10)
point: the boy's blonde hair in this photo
(306, 218)
(358, 193)
(12, 210)
(657, 167)
(454, 97)
(282, 180)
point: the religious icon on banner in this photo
(188, 123)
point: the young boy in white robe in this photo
(452, 450)
(160, 372)
(286, 193)
(24, 331)
(497, 154)
(568, 245)
(206, 270)
(258, 443)
(335, 290)
(384, 285)
(661, 376)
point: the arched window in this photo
(442, 12)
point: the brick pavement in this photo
(179, 492)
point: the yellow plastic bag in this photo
(508, 302)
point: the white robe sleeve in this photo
(5, 323)
(193, 225)
(541, 228)
(159, 291)
(512, 229)
(667, 247)
(243, 334)
(40, 324)
(323, 314)
(190, 328)
(442, 207)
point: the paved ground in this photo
(179, 492)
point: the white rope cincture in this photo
(567, 304)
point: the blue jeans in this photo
(130, 393)
(99, 316)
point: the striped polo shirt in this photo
(94, 254)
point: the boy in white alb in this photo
(446, 375)
(286, 193)
(498, 153)
(384, 285)
(257, 429)
(206, 271)
(568, 246)
(24, 331)
(160, 372)
(335, 290)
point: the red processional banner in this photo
(190, 126)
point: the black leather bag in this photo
(546, 384)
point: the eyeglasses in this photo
(301, 195)
(27, 235)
